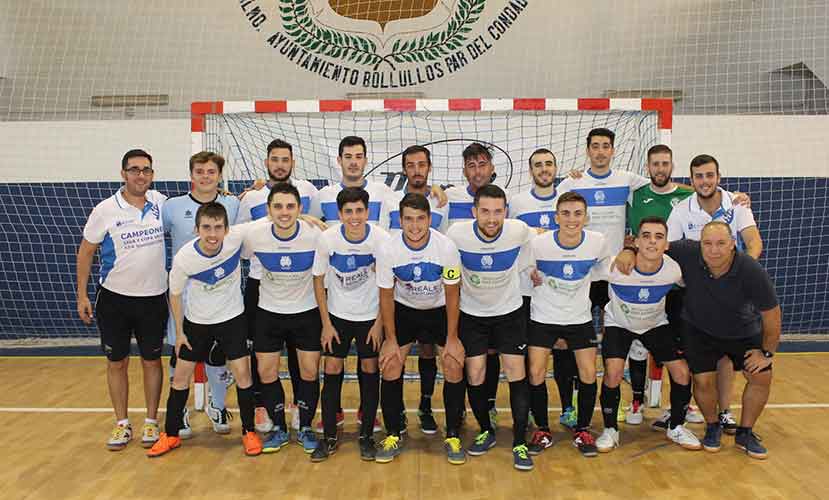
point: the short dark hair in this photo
(601, 132)
(352, 195)
(541, 151)
(279, 144)
(570, 196)
(351, 140)
(652, 219)
(135, 153)
(700, 160)
(416, 149)
(284, 188)
(207, 156)
(659, 148)
(212, 210)
(475, 150)
(416, 201)
(490, 191)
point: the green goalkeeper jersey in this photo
(647, 203)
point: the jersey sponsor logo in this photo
(644, 294)
(417, 272)
(567, 270)
(351, 262)
(285, 262)
(486, 262)
(451, 273)
(544, 220)
(219, 272)
(647, 200)
(120, 223)
(599, 196)
(475, 279)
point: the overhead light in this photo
(673, 94)
(112, 101)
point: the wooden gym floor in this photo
(55, 419)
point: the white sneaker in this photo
(694, 416)
(220, 418)
(634, 414)
(683, 437)
(294, 409)
(186, 432)
(608, 440)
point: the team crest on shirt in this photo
(156, 211)
(544, 220)
(599, 196)
(644, 294)
(218, 273)
(188, 214)
(417, 272)
(675, 202)
(351, 262)
(486, 261)
(475, 279)
(285, 262)
(568, 270)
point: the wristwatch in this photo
(767, 354)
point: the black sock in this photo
(359, 377)
(175, 410)
(453, 401)
(246, 408)
(293, 371)
(564, 370)
(638, 374)
(519, 401)
(609, 400)
(332, 387)
(257, 381)
(587, 401)
(680, 397)
(391, 392)
(273, 397)
(538, 405)
(480, 406)
(307, 401)
(428, 368)
(369, 402)
(743, 430)
(493, 376)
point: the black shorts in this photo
(426, 326)
(351, 330)
(506, 333)
(578, 337)
(673, 307)
(660, 341)
(251, 306)
(704, 351)
(526, 308)
(274, 330)
(120, 317)
(598, 294)
(230, 336)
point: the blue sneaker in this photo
(276, 441)
(569, 418)
(521, 459)
(483, 442)
(713, 434)
(749, 442)
(307, 439)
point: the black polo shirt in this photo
(728, 306)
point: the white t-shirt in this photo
(418, 275)
(460, 203)
(537, 212)
(607, 197)
(377, 195)
(390, 219)
(490, 269)
(564, 296)
(687, 218)
(349, 270)
(133, 258)
(286, 285)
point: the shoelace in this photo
(585, 437)
(226, 416)
(454, 444)
(539, 437)
(482, 437)
(120, 432)
(521, 450)
(390, 442)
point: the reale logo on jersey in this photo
(285, 262)
(379, 44)
(644, 294)
(544, 220)
(599, 196)
(486, 261)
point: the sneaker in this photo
(569, 417)
(389, 448)
(149, 434)
(276, 441)
(694, 416)
(227, 378)
(621, 413)
(728, 422)
(713, 434)
(307, 439)
(683, 437)
(454, 451)
(220, 417)
(368, 449)
(120, 437)
(324, 449)
(262, 421)
(634, 414)
(164, 444)
(661, 423)
(377, 427)
(521, 458)
(749, 442)
(320, 429)
(293, 410)
(584, 441)
(493, 417)
(186, 432)
(427, 422)
(483, 442)
(252, 444)
(540, 441)
(608, 440)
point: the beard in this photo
(659, 183)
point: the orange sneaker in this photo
(165, 444)
(252, 444)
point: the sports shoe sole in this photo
(607, 450)
(758, 456)
(166, 452)
(455, 461)
(685, 446)
(523, 467)
(116, 447)
(274, 450)
(148, 444)
(386, 460)
(480, 453)
(711, 449)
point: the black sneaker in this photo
(728, 422)
(325, 448)
(749, 442)
(427, 422)
(584, 441)
(404, 422)
(368, 449)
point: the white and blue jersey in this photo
(460, 203)
(133, 258)
(687, 218)
(418, 275)
(490, 269)
(564, 296)
(537, 212)
(286, 285)
(607, 197)
(390, 219)
(377, 195)
(179, 216)
(349, 270)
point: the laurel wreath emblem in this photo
(298, 24)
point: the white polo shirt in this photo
(687, 218)
(377, 194)
(133, 259)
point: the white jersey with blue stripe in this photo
(688, 218)
(179, 216)
(418, 274)
(490, 269)
(349, 270)
(133, 258)
(607, 197)
(563, 298)
(254, 206)
(637, 300)
(377, 195)
(460, 202)
(537, 212)
(286, 285)
(390, 218)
